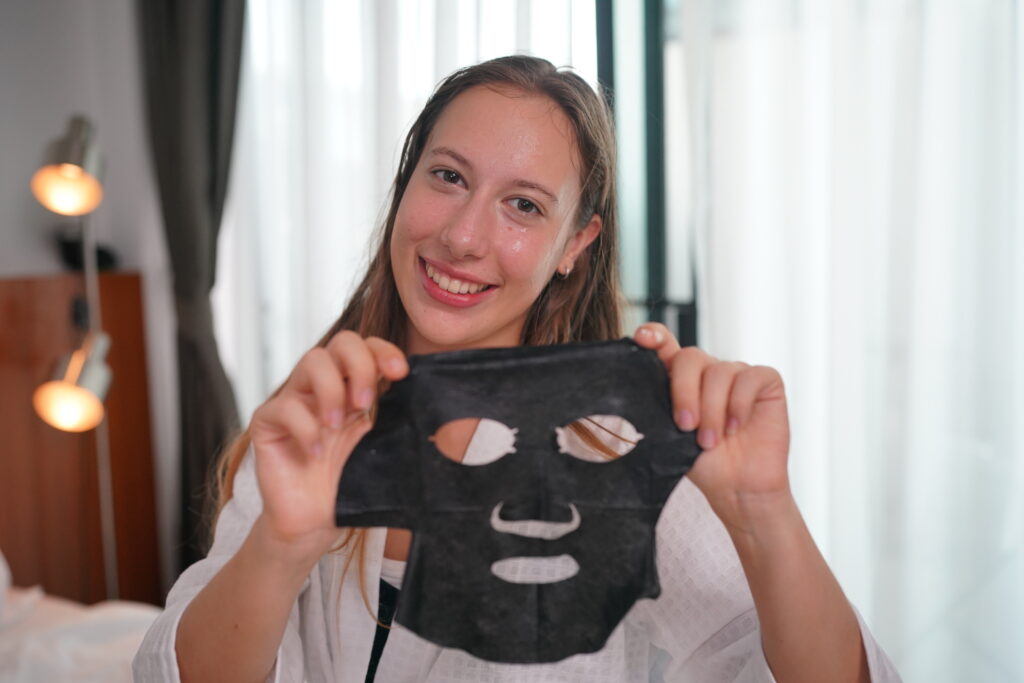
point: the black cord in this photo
(385, 614)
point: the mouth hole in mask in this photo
(532, 570)
(453, 438)
(598, 438)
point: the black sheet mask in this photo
(464, 517)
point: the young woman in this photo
(502, 231)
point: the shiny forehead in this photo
(510, 135)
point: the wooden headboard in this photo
(49, 495)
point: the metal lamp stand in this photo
(108, 531)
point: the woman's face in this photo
(487, 217)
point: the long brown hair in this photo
(583, 307)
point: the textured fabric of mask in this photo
(534, 502)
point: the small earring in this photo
(563, 274)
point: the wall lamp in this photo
(69, 183)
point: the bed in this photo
(46, 638)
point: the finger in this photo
(748, 386)
(345, 440)
(685, 374)
(318, 375)
(716, 387)
(358, 366)
(288, 417)
(391, 362)
(657, 337)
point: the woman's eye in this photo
(525, 205)
(447, 175)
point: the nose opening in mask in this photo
(535, 528)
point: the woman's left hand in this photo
(740, 414)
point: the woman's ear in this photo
(579, 241)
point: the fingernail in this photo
(395, 365)
(685, 420)
(652, 334)
(336, 418)
(365, 398)
(318, 449)
(707, 439)
(731, 426)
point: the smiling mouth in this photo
(536, 569)
(453, 285)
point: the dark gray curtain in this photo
(192, 52)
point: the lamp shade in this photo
(73, 400)
(69, 181)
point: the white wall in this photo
(59, 57)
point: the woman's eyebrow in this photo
(448, 151)
(527, 184)
(530, 185)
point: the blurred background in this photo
(831, 187)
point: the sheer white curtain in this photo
(857, 190)
(329, 88)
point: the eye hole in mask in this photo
(598, 438)
(500, 440)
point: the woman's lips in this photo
(438, 293)
(456, 284)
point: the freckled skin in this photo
(467, 213)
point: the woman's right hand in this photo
(303, 436)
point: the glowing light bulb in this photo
(66, 189)
(71, 171)
(67, 407)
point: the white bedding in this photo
(43, 638)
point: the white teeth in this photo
(450, 284)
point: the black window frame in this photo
(680, 316)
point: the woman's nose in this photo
(468, 231)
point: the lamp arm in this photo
(91, 274)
